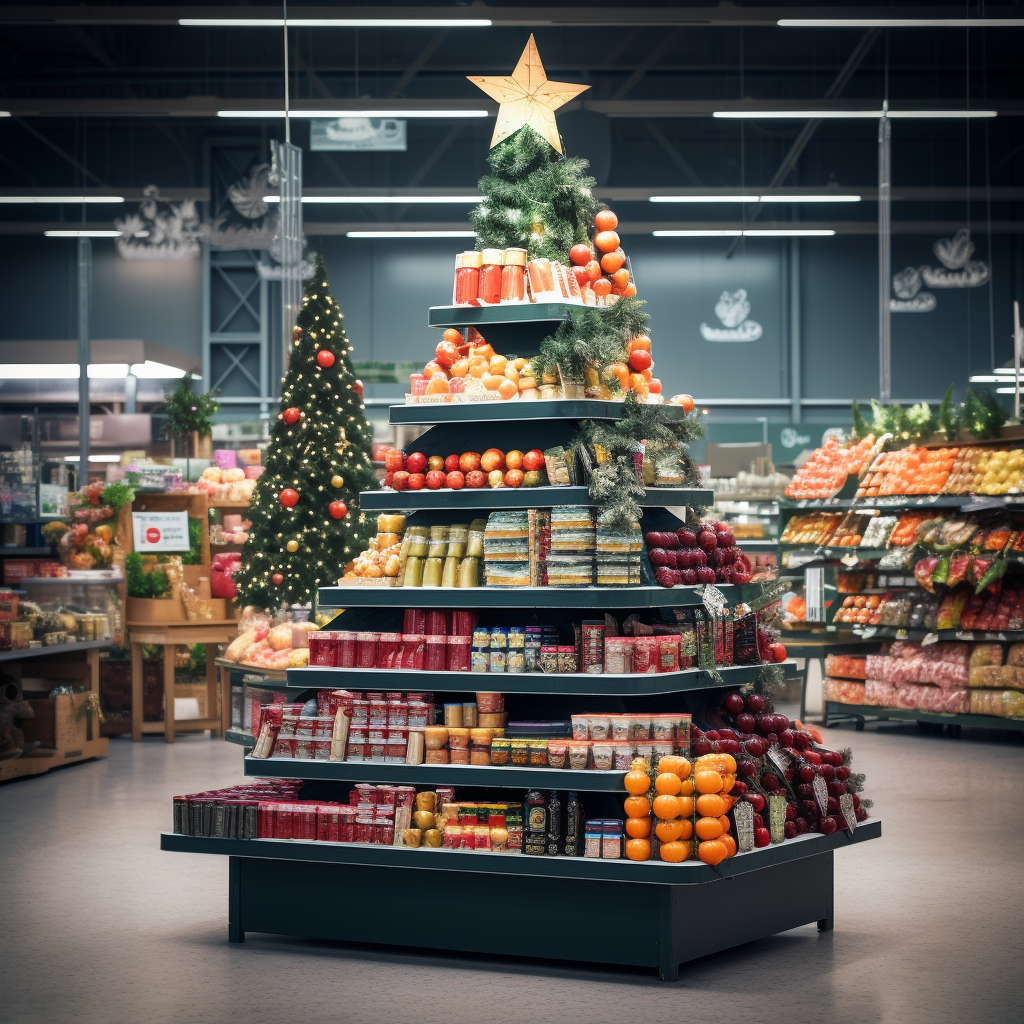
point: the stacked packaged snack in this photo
(570, 560)
(507, 549)
(618, 557)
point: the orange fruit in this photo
(686, 806)
(687, 788)
(637, 806)
(612, 261)
(729, 843)
(728, 781)
(728, 762)
(708, 782)
(638, 828)
(605, 220)
(506, 388)
(669, 831)
(498, 364)
(492, 381)
(668, 783)
(640, 341)
(637, 783)
(712, 805)
(674, 852)
(666, 806)
(639, 764)
(674, 763)
(606, 241)
(725, 822)
(477, 367)
(713, 851)
(638, 849)
(708, 828)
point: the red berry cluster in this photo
(706, 554)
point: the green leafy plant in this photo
(141, 583)
(188, 412)
(860, 425)
(117, 494)
(947, 414)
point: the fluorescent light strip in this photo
(410, 234)
(61, 199)
(335, 22)
(149, 370)
(848, 114)
(1004, 369)
(1007, 391)
(754, 199)
(370, 200)
(748, 233)
(388, 112)
(94, 458)
(901, 22)
(82, 234)
(985, 378)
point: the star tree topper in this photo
(527, 98)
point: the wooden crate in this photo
(66, 735)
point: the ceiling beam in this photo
(724, 14)
(419, 61)
(673, 154)
(646, 64)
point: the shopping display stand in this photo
(649, 914)
(269, 679)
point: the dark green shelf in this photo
(553, 409)
(25, 552)
(518, 497)
(690, 872)
(835, 709)
(899, 501)
(528, 597)
(509, 313)
(245, 739)
(581, 683)
(24, 653)
(436, 774)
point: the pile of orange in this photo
(910, 470)
(671, 804)
(825, 472)
(714, 776)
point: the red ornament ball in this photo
(288, 498)
(338, 509)
(291, 415)
(325, 358)
(278, 579)
(358, 386)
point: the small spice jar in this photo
(489, 289)
(549, 659)
(580, 727)
(623, 756)
(538, 753)
(622, 728)
(519, 753)
(566, 659)
(600, 727)
(501, 749)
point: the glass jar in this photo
(467, 278)
(489, 292)
(513, 276)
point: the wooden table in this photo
(278, 676)
(168, 635)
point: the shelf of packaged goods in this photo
(902, 501)
(519, 497)
(507, 313)
(25, 552)
(528, 597)
(318, 677)
(239, 736)
(688, 873)
(515, 409)
(271, 678)
(41, 652)
(832, 554)
(878, 713)
(591, 781)
(901, 633)
(756, 543)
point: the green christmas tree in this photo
(305, 514)
(534, 199)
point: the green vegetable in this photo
(117, 494)
(995, 572)
(141, 583)
(941, 573)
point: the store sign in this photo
(958, 270)
(732, 309)
(357, 134)
(160, 532)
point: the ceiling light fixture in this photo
(796, 115)
(901, 22)
(61, 199)
(747, 233)
(397, 112)
(370, 200)
(149, 370)
(82, 233)
(94, 458)
(755, 199)
(410, 234)
(335, 22)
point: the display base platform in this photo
(554, 908)
(862, 713)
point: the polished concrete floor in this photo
(97, 926)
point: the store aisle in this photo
(98, 926)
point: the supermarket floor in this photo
(97, 925)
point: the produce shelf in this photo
(513, 409)
(687, 873)
(41, 652)
(508, 313)
(582, 683)
(834, 709)
(590, 780)
(902, 501)
(527, 597)
(518, 497)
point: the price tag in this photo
(850, 560)
(930, 638)
(777, 817)
(902, 634)
(779, 758)
(868, 632)
(714, 599)
(820, 793)
(965, 636)
(802, 504)
(849, 814)
(160, 531)
(743, 815)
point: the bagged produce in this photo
(280, 637)
(843, 691)
(986, 654)
(1002, 703)
(1012, 677)
(878, 692)
(984, 676)
(846, 666)
(1015, 655)
(243, 641)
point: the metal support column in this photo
(884, 259)
(84, 355)
(795, 360)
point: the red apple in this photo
(688, 577)
(658, 556)
(706, 539)
(514, 478)
(455, 480)
(733, 703)
(754, 702)
(705, 575)
(416, 481)
(757, 801)
(389, 479)
(435, 480)
(468, 462)
(533, 460)
(740, 577)
(401, 481)
(762, 837)
(476, 478)
(451, 464)
(687, 538)
(416, 463)
(828, 826)
(394, 460)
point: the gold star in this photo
(527, 98)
